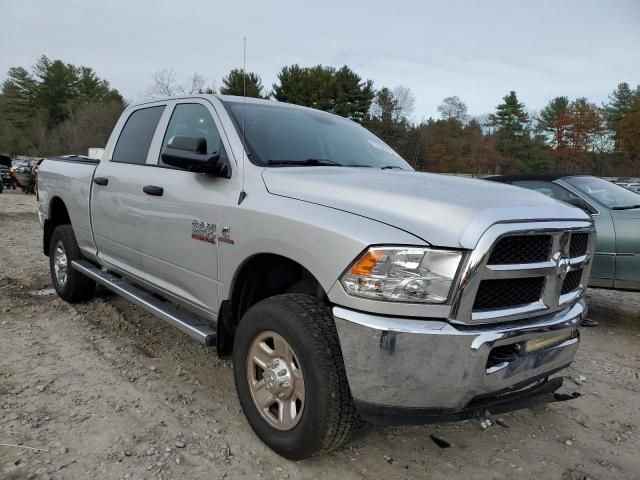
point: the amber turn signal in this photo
(367, 263)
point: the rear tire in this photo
(70, 284)
(326, 416)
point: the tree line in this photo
(60, 108)
(56, 108)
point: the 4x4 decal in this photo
(203, 231)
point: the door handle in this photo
(100, 180)
(153, 190)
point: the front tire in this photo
(290, 376)
(70, 284)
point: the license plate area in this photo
(501, 356)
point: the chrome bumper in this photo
(431, 365)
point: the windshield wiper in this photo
(391, 167)
(626, 207)
(314, 162)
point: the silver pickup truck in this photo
(344, 284)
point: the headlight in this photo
(403, 274)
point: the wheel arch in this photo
(58, 215)
(260, 276)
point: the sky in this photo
(478, 50)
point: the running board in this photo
(164, 310)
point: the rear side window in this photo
(135, 138)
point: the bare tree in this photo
(453, 108)
(404, 101)
(165, 84)
(195, 84)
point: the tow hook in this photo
(483, 419)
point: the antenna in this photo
(243, 194)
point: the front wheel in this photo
(70, 284)
(290, 376)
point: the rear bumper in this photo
(419, 371)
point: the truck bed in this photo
(69, 178)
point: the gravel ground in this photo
(104, 390)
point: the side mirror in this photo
(581, 204)
(190, 153)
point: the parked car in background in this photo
(5, 175)
(5, 178)
(634, 187)
(23, 175)
(616, 212)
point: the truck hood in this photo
(442, 210)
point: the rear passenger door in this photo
(117, 190)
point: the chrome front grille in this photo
(521, 249)
(508, 292)
(523, 270)
(579, 244)
(571, 281)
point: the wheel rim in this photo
(275, 380)
(60, 264)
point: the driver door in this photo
(180, 215)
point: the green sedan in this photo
(616, 212)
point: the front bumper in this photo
(433, 370)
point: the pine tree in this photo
(511, 117)
(555, 121)
(353, 96)
(19, 93)
(236, 83)
(512, 136)
(325, 88)
(622, 101)
(57, 85)
(384, 105)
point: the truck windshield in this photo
(609, 194)
(281, 135)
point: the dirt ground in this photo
(104, 390)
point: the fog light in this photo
(538, 344)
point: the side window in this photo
(548, 188)
(135, 138)
(193, 120)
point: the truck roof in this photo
(223, 98)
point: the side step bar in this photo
(164, 310)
